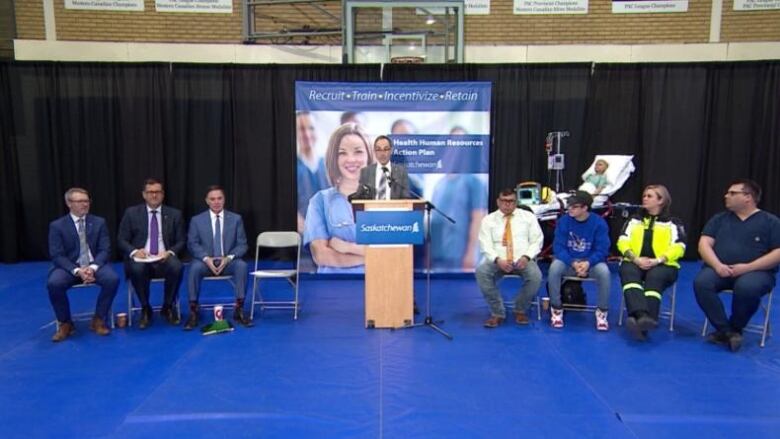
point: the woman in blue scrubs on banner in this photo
(329, 229)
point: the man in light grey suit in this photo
(385, 180)
(217, 242)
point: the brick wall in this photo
(29, 20)
(7, 29)
(501, 27)
(599, 25)
(743, 26)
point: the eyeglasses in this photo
(732, 193)
(504, 200)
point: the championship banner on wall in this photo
(648, 6)
(477, 7)
(529, 7)
(441, 137)
(756, 5)
(202, 6)
(106, 5)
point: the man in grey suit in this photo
(217, 242)
(385, 180)
(151, 236)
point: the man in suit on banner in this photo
(79, 247)
(385, 180)
(151, 236)
(217, 242)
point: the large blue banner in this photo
(440, 135)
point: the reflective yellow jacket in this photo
(668, 237)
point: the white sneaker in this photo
(556, 318)
(601, 320)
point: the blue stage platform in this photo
(325, 376)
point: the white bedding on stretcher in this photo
(620, 168)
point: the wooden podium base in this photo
(389, 273)
(390, 288)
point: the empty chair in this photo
(267, 242)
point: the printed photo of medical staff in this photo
(332, 148)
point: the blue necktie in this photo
(217, 238)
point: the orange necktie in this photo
(507, 241)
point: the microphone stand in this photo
(428, 321)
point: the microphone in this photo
(392, 181)
(363, 193)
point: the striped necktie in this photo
(381, 192)
(83, 247)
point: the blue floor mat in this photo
(325, 375)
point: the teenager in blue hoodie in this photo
(581, 246)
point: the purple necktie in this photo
(154, 235)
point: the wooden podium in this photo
(389, 277)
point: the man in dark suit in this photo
(151, 236)
(385, 180)
(217, 242)
(79, 247)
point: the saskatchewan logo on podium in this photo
(389, 227)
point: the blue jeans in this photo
(198, 270)
(488, 274)
(748, 290)
(599, 272)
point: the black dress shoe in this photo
(632, 324)
(646, 323)
(240, 317)
(735, 341)
(192, 322)
(718, 337)
(146, 318)
(170, 315)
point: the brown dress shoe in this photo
(99, 326)
(521, 318)
(240, 317)
(66, 329)
(493, 322)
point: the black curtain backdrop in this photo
(107, 127)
